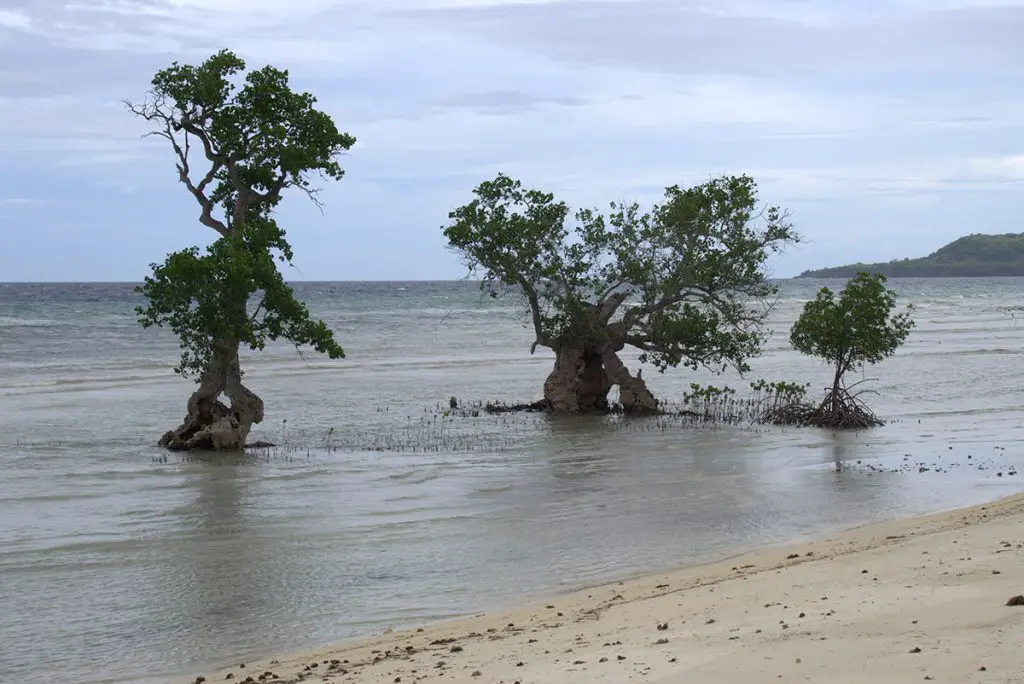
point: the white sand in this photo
(853, 609)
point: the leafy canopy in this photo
(202, 298)
(854, 328)
(684, 282)
(253, 141)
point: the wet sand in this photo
(918, 599)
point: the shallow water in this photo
(117, 560)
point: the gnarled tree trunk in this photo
(633, 393)
(210, 424)
(578, 382)
(582, 378)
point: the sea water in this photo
(120, 562)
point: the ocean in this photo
(119, 560)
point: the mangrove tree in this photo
(683, 282)
(239, 144)
(855, 328)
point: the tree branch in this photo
(313, 195)
(680, 296)
(256, 312)
(538, 325)
(601, 294)
(189, 126)
(648, 345)
(273, 193)
(153, 113)
(608, 307)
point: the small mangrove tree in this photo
(848, 331)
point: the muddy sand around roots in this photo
(916, 599)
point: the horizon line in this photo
(308, 282)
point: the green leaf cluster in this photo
(685, 281)
(261, 138)
(205, 298)
(853, 328)
(781, 390)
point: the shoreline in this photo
(839, 609)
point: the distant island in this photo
(973, 256)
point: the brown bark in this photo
(633, 393)
(837, 384)
(209, 424)
(594, 384)
(582, 378)
(578, 382)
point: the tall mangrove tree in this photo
(240, 144)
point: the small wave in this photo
(56, 498)
(12, 321)
(413, 476)
(991, 410)
(496, 489)
(972, 352)
(77, 384)
(60, 382)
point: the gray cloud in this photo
(684, 37)
(506, 102)
(893, 118)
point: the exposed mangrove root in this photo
(796, 413)
(499, 407)
(209, 424)
(840, 410)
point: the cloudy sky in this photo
(888, 127)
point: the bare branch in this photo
(313, 195)
(153, 112)
(601, 294)
(538, 324)
(256, 313)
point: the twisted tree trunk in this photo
(633, 393)
(210, 424)
(582, 378)
(578, 382)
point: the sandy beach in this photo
(902, 601)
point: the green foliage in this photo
(198, 295)
(782, 390)
(775, 391)
(684, 282)
(969, 256)
(707, 392)
(854, 328)
(263, 137)
(255, 140)
(700, 392)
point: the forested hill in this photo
(973, 256)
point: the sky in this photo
(887, 127)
